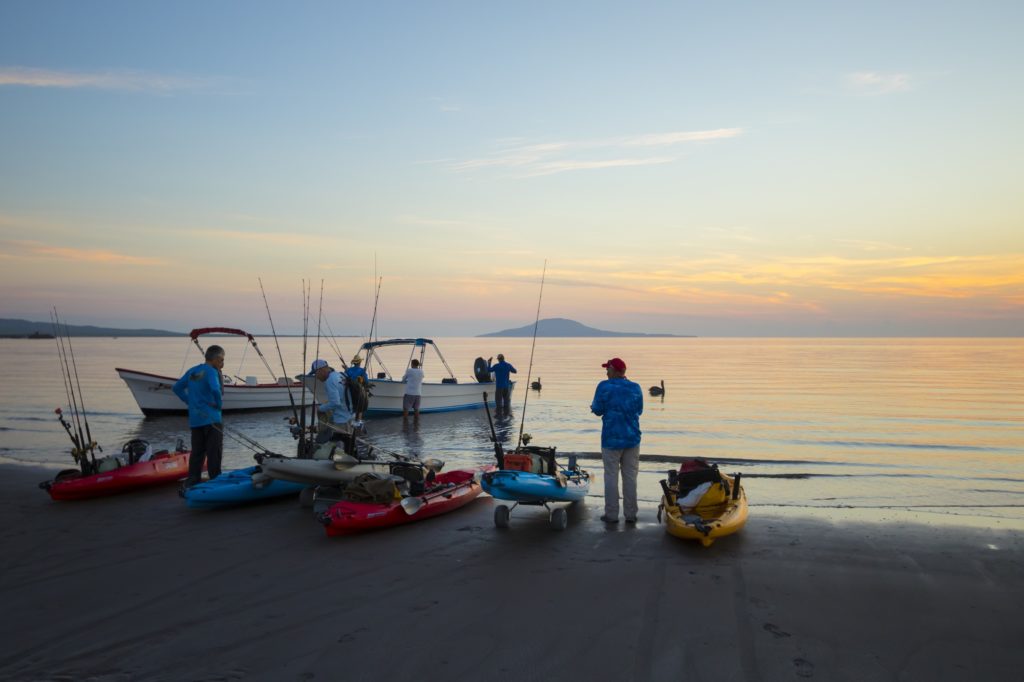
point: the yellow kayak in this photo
(709, 511)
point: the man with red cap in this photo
(619, 402)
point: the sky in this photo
(715, 169)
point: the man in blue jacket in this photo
(361, 382)
(502, 383)
(202, 389)
(619, 402)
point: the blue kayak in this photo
(237, 487)
(526, 487)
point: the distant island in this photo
(560, 326)
(22, 329)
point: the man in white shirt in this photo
(413, 380)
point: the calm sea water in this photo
(931, 429)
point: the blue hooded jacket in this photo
(200, 389)
(619, 402)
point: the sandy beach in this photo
(139, 587)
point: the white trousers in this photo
(626, 461)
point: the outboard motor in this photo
(480, 371)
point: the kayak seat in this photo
(688, 479)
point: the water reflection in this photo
(871, 408)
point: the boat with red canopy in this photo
(154, 395)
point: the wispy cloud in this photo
(30, 250)
(865, 245)
(875, 83)
(549, 168)
(445, 105)
(431, 222)
(669, 139)
(547, 158)
(112, 79)
(289, 239)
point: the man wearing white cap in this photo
(335, 414)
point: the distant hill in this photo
(559, 326)
(23, 328)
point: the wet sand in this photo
(139, 587)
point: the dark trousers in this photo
(208, 445)
(502, 399)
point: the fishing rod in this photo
(288, 380)
(536, 322)
(305, 343)
(499, 452)
(376, 299)
(241, 438)
(77, 403)
(314, 415)
(69, 386)
(81, 399)
(75, 440)
(334, 344)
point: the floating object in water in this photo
(657, 390)
(536, 384)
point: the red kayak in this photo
(448, 491)
(164, 467)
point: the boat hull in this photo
(312, 472)
(386, 396)
(525, 487)
(707, 522)
(346, 518)
(237, 487)
(161, 469)
(155, 396)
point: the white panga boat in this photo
(387, 390)
(154, 395)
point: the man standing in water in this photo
(413, 380)
(358, 383)
(502, 383)
(619, 402)
(202, 389)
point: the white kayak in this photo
(313, 472)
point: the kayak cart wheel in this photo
(501, 514)
(306, 497)
(559, 518)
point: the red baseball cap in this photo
(617, 363)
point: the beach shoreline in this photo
(137, 586)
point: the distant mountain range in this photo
(24, 328)
(560, 326)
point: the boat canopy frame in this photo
(202, 331)
(370, 348)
